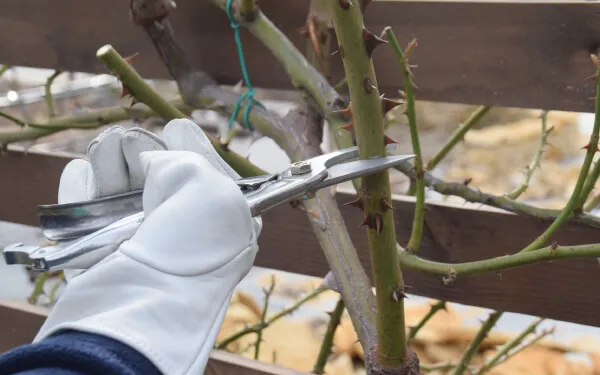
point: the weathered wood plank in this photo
(558, 290)
(523, 54)
(20, 322)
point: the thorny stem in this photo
(417, 228)
(462, 190)
(327, 343)
(144, 93)
(14, 119)
(574, 204)
(476, 343)
(525, 346)
(502, 263)
(263, 317)
(535, 162)
(458, 135)
(508, 346)
(263, 325)
(48, 92)
(440, 305)
(367, 118)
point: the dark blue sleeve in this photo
(76, 353)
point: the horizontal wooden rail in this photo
(518, 54)
(558, 290)
(20, 322)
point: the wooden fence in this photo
(524, 54)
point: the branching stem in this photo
(48, 92)
(458, 135)
(575, 203)
(263, 325)
(535, 162)
(476, 343)
(268, 293)
(440, 305)
(508, 346)
(419, 217)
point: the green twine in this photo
(250, 93)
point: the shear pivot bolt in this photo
(300, 167)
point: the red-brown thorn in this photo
(385, 205)
(387, 140)
(389, 104)
(372, 41)
(358, 202)
(349, 127)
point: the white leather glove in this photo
(164, 292)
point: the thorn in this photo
(358, 202)
(402, 94)
(312, 34)
(467, 181)
(366, 221)
(131, 59)
(368, 85)
(346, 4)
(345, 111)
(385, 205)
(387, 141)
(378, 223)
(389, 104)
(372, 41)
(124, 92)
(340, 51)
(349, 127)
(330, 313)
(397, 295)
(302, 30)
(587, 147)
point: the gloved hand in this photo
(166, 290)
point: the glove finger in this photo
(108, 163)
(185, 135)
(77, 182)
(136, 141)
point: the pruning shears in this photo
(88, 231)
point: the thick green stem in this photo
(143, 92)
(375, 193)
(458, 135)
(545, 254)
(517, 340)
(476, 343)
(574, 205)
(419, 188)
(327, 343)
(535, 162)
